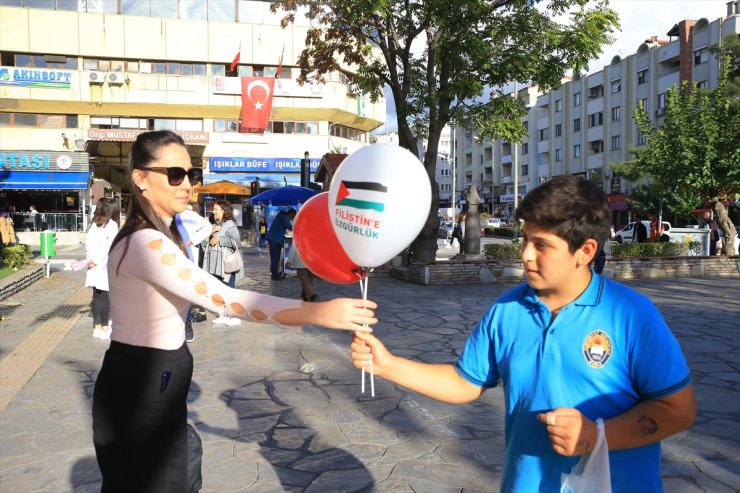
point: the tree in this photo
(471, 50)
(694, 158)
(729, 50)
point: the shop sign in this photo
(615, 185)
(509, 197)
(43, 161)
(35, 77)
(259, 164)
(123, 135)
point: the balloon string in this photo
(363, 289)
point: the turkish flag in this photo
(256, 102)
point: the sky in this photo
(639, 19)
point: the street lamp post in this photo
(515, 162)
(453, 163)
(305, 170)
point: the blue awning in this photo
(34, 180)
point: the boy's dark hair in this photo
(570, 207)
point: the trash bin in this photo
(48, 244)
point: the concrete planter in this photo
(491, 271)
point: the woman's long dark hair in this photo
(141, 215)
(107, 209)
(228, 209)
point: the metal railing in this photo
(57, 221)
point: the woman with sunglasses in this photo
(140, 397)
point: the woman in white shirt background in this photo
(140, 396)
(100, 237)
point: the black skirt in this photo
(140, 418)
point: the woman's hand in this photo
(342, 314)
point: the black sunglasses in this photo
(176, 175)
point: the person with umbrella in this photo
(275, 239)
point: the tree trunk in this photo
(724, 223)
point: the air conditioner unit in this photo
(116, 78)
(543, 179)
(353, 88)
(97, 77)
(660, 111)
(593, 92)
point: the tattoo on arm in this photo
(648, 425)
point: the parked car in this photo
(445, 230)
(493, 222)
(627, 234)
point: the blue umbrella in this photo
(283, 196)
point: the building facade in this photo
(80, 80)
(586, 125)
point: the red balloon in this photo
(318, 245)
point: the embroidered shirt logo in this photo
(597, 349)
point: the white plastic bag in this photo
(591, 474)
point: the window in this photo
(661, 100)
(702, 84)
(616, 113)
(577, 99)
(544, 134)
(38, 120)
(525, 148)
(576, 124)
(701, 56)
(642, 77)
(641, 139)
(525, 169)
(558, 130)
(596, 146)
(558, 154)
(595, 119)
(577, 150)
(616, 142)
(644, 103)
(616, 85)
(558, 105)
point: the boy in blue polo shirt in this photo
(570, 347)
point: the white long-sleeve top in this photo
(98, 242)
(151, 293)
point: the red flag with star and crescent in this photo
(256, 102)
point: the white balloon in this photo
(379, 200)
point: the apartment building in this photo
(585, 126)
(79, 81)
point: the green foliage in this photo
(507, 251)
(694, 156)
(449, 61)
(15, 256)
(660, 249)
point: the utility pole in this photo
(305, 170)
(453, 155)
(515, 163)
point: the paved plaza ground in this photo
(282, 412)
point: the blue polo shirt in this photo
(604, 353)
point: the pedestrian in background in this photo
(304, 275)
(262, 231)
(571, 347)
(457, 231)
(275, 240)
(99, 239)
(140, 397)
(711, 225)
(640, 234)
(223, 240)
(193, 229)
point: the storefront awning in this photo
(26, 180)
(223, 187)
